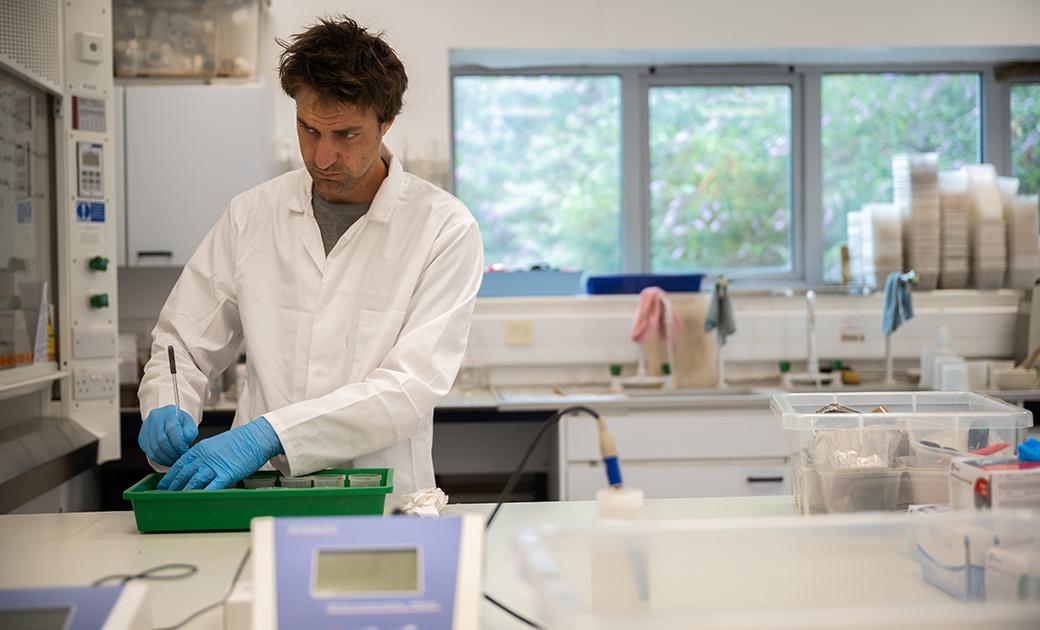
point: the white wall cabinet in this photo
(188, 149)
(705, 452)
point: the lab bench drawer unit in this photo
(713, 433)
(736, 450)
(675, 480)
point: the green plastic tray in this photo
(233, 508)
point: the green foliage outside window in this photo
(1025, 136)
(720, 193)
(868, 118)
(538, 162)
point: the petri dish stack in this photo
(875, 243)
(1023, 240)
(955, 237)
(915, 188)
(988, 240)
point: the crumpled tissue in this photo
(425, 502)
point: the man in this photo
(351, 284)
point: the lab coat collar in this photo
(382, 205)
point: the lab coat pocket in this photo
(373, 339)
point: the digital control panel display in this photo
(90, 170)
(344, 572)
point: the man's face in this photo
(340, 145)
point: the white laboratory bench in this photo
(75, 549)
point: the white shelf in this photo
(23, 380)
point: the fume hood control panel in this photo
(90, 169)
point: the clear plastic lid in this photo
(825, 411)
(828, 571)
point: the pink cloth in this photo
(650, 317)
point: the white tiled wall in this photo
(593, 331)
(574, 338)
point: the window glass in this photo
(867, 118)
(720, 177)
(1025, 136)
(538, 162)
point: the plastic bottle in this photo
(619, 563)
(943, 347)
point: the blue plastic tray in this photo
(634, 283)
(505, 283)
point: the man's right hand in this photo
(166, 435)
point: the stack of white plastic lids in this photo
(915, 184)
(988, 240)
(955, 208)
(875, 243)
(1023, 234)
(854, 239)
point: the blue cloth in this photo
(720, 313)
(225, 459)
(897, 306)
(166, 435)
(1029, 451)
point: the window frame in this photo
(813, 209)
(669, 77)
(1004, 96)
(805, 82)
(560, 71)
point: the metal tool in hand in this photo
(173, 376)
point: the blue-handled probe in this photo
(608, 452)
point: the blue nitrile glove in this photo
(166, 435)
(224, 459)
(1029, 451)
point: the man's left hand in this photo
(225, 459)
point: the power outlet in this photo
(94, 384)
(519, 332)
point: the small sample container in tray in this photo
(233, 508)
(887, 460)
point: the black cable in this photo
(152, 574)
(515, 614)
(220, 602)
(515, 477)
(188, 570)
(511, 484)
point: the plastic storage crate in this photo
(884, 461)
(836, 572)
(233, 508)
(185, 38)
(509, 283)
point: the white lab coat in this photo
(347, 355)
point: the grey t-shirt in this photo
(334, 219)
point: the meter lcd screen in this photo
(35, 618)
(91, 159)
(348, 572)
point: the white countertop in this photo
(547, 397)
(528, 398)
(77, 548)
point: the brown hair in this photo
(341, 60)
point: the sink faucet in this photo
(813, 360)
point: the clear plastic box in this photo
(185, 38)
(886, 461)
(837, 571)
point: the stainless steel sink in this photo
(709, 392)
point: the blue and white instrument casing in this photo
(76, 607)
(385, 573)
